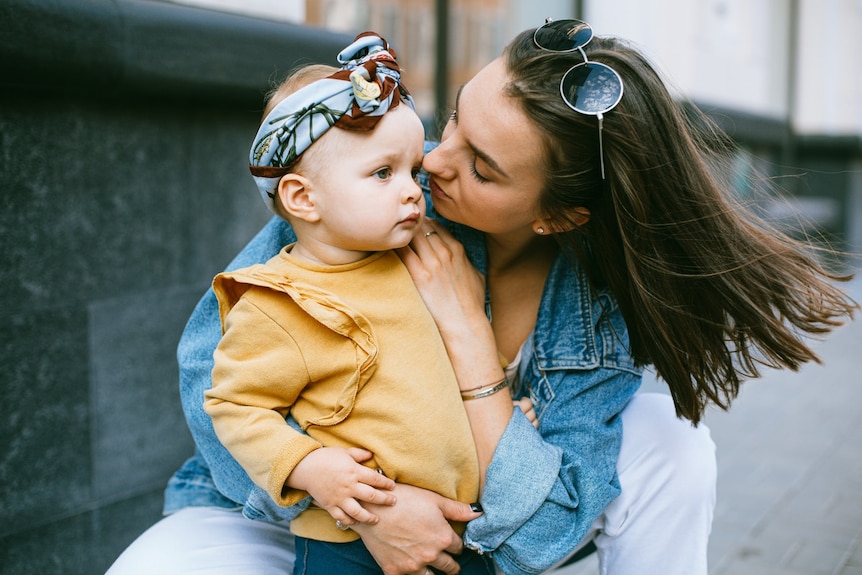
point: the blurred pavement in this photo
(790, 468)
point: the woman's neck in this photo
(515, 252)
(517, 271)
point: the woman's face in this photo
(487, 171)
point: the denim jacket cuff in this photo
(518, 480)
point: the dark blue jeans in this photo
(322, 558)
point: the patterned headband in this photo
(354, 98)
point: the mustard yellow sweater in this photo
(352, 353)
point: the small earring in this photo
(540, 231)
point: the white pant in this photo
(659, 524)
(661, 521)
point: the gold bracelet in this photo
(483, 386)
(484, 391)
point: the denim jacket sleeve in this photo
(544, 488)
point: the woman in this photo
(603, 242)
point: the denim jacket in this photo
(543, 489)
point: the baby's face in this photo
(365, 187)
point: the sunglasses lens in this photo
(591, 88)
(563, 35)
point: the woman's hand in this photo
(414, 533)
(450, 286)
(454, 292)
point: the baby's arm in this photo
(337, 481)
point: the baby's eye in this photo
(415, 172)
(383, 173)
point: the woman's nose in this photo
(434, 162)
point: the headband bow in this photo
(354, 98)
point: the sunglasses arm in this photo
(601, 117)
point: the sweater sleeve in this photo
(215, 465)
(258, 373)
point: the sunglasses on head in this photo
(589, 88)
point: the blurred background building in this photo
(796, 59)
(124, 188)
(784, 77)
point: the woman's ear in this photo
(297, 199)
(576, 217)
(579, 216)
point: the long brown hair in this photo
(708, 290)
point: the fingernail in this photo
(477, 507)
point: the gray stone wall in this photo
(124, 130)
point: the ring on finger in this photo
(431, 233)
(341, 525)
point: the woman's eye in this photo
(479, 177)
(383, 173)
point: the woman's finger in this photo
(431, 230)
(529, 412)
(445, 563)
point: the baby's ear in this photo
(295, 194)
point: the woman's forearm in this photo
(488, 417)
(473, 352)
(454, 293)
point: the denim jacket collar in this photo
(564, 339)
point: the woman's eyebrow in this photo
(479, 153)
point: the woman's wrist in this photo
(474, 355)
(484, 390)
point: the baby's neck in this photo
(326, 255)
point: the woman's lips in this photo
(436, 190)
